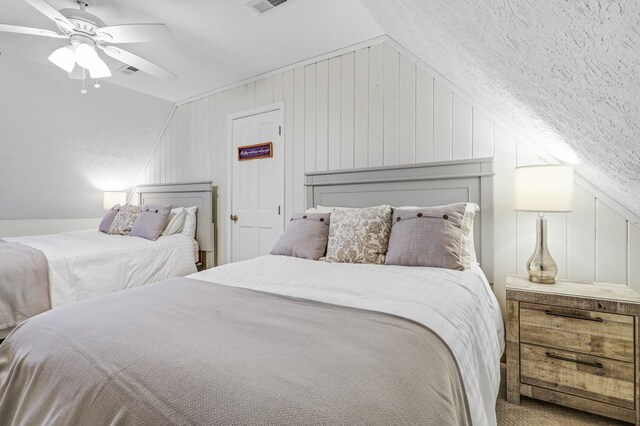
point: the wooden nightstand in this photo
(574, 344)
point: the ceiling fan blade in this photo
(31, 31)
(50, 12)
(138, 62)
(134, 33)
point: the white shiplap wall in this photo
(375, 107)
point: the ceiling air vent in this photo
(264, 6)
(128, 70)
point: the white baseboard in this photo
(22, 227)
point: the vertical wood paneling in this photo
(611, 245)
(441, 122)
(581, 236)
(407, 112)
(361, 105)
(424, 117)
(251, 95)
(298, 139)
(376, 109)
(322, 115)
(278, 87)
(391, 112)
(482, 135)
(347, 111)
(461, 128)
(288, 142)
(310, 118)
(634, 257)
(335, 87)
(505, 216)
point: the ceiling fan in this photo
(87, 33)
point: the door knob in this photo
(234, 218)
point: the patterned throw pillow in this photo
(124, 220)
(359, 235)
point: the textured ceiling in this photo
(217, 42)
(566, 74)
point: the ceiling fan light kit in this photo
(87, 33)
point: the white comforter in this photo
(459, 306)
(84, 264)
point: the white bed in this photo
(85, 264)
(459, 306)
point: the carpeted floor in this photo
(532, 412)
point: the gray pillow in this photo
(306, 236)
(429, 236)
(150, 222)
(107, 220)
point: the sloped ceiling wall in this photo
(59, 149)
(564, 74)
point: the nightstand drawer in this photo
(586, 376)
(588, 332)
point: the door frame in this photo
(231, 158)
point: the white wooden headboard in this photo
(201, 194)
(421, 185)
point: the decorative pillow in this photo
(124, 220)
(324, 209)
(190, 220)
(468, 242)
(107, 220)
(175, 222)
(429, 236)
(359, 235)
(150, 222)
(305, 236)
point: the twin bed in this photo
(276, 339)
(48, 271)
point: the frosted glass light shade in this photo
(99, 69)
(64, 58)
(112, 198)
(86, 56)
(544, 189)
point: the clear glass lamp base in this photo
(541, 266)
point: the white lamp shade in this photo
(64, 58)
(113, 198)
(86, 56)
(99, 69)
(545, 188)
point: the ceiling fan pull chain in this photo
(84, 77)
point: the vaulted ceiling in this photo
(564, 74)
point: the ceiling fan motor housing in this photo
(84, 22)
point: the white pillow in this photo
(189, 227)
(323, 209)
(176, 221)
(468, 252)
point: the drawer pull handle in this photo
(558, 314)
(577, 361)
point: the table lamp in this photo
(543, 189)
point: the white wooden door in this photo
(257, 200)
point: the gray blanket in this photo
(24, 283)
(185, 351)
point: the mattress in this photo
(459, 306)
(84, 264)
